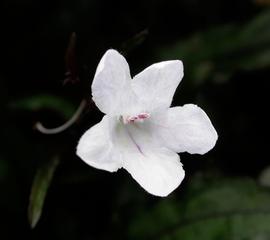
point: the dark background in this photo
(225, 47)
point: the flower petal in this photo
(157, 169)
(186, 129)
(96, 148)
(155, 86)
(111, 87)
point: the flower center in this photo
(137, 118)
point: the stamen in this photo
(137, 118)
(143, 115)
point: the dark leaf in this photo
(72, 73)
(39, 190)
(39, 102)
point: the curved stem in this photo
(39, 126)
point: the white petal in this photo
(157, 169)
(155, 86)
(111, 87)
(96, 148)
(186, 129)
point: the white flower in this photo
(140, 132)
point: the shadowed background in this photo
(50, 50)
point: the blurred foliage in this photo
(263, 2)
(135, 41)
(221, 209)
(44, 101)
(218, 53)
(264, 178)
